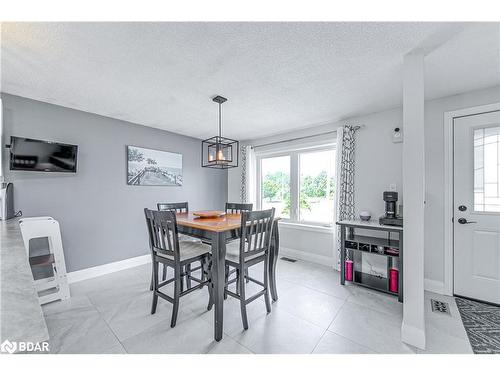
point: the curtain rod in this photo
(300, 138)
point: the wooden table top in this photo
(213, 224)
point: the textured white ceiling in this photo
(277, 76)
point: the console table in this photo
(356, 245)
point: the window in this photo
(487, 169)
(275, 186)
(316, 186)
(298, 183)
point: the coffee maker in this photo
(391, 217)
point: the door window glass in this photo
(487, 169)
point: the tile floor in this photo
(314, 314)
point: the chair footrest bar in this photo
(192, 289)
(164, 296)
(255, 296)
(165, 282)
(232, 294)
(255, 281)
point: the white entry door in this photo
(476, 222)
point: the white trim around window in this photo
(293, 151)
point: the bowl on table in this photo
(208, 214)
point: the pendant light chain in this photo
(220, 120)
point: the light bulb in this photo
(220, 155)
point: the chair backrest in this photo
(162, 231)
(256, 228)
(238, 208)
(178, 207)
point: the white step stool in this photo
(47, 227)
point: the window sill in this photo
(307, 227)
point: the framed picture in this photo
(147, 167)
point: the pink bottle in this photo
(348, 270)
(393, 280)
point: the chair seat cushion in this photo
(233, 252)
(190, 249)
(185, 237)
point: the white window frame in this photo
(293, 151)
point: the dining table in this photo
(217, 231)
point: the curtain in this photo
(248, 175)
(344, 210)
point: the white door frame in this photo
(448, 185)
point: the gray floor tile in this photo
(381, 302)
(378, 331)
(188, 337)
(331, 343)
(315, 307)
(129, 317)
(232, 315)
(280, 333)
(79, 331)
(111, 314)
(227, 346)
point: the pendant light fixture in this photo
(219, 152)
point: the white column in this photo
(413, 327)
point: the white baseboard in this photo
(413, 336)
(104, 269)
(434, 286)
(309, 257)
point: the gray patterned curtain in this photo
(244, 183)
(346, 145)
(248, 175)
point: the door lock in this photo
(462, 208)
(464, 221)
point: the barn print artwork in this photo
(148, 167)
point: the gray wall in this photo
(101, 217)
(378, 164)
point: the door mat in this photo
(482, 324)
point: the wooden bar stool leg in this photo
(226, 279)
(188, 276)
(164, 275)
(203, 274)
(243, 305)
(152, 274)
(238, 281)
(155, 287)
(177, 294)
(266, 284)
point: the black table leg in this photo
(218, 279)
(273, 258)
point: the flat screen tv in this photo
(43, 156)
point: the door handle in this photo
(464, 221)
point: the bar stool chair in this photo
(238, 208)
(235, 208)
(178, 207)
(253, 248)
(168, 250)
(46, 227)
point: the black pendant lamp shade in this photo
(219, 152)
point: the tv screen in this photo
(44, 156)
